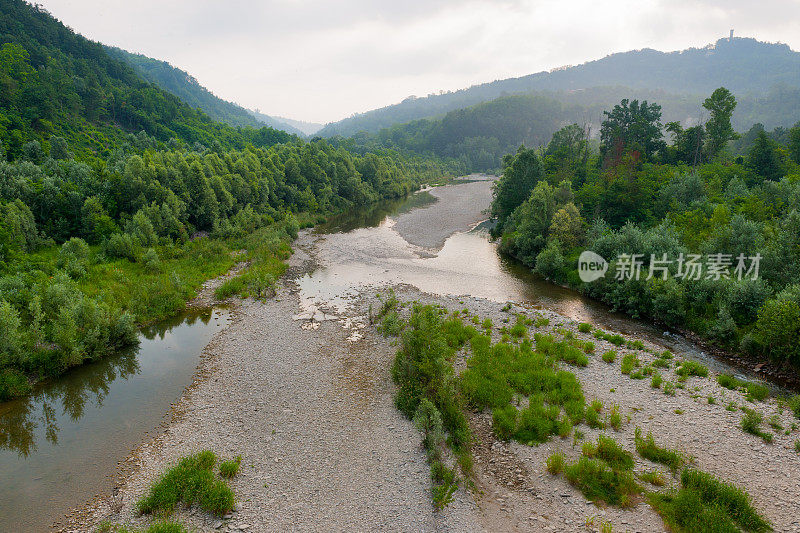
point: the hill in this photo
(57, 82)
(747, 67)
(188, 89)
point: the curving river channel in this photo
(60, 446)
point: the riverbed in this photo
(300, 387)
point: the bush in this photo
(151, 261)
(73, 258)
(583, 327)
(122, 246)
(778, 329)
(609, 356)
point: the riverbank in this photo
(300, 386)
(308, 405)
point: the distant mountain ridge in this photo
(187, 88)
(743, 65)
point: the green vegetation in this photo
(157, 527)
(609, 356)
(691, 368)
(583, 327)
(705, 504)
(647, 448)
(755, 391)
(555, 463)
(428, 394)
(117, 200)
(228, 469)
(191, 482)
(642, 195)
(629, 362)
(603, 474)
(751, 423)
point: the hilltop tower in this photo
(730, 39)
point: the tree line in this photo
(641, 193)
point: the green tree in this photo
(520, 175)
(763, 158)
(568, 227)
(631, 127)
(794, 143)
(720, 104)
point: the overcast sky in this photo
(322, 61)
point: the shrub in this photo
(583, 327)
(73, 257)
(121, 246)
(151, 261)
(778, 329)
(391, 325)
(794, 405)
(610, 356)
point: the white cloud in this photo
(321, 60)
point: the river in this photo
(60, 446)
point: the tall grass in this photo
(705, 504)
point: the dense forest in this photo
(185, 87)
(117, 199)
(764, 77)
(683, 199)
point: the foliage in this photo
(191, 482)
(704, 504)
(640, 197)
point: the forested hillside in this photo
(651, 205)
(118, 200)
(765, 77)
(185, 87)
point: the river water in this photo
(434, 241)
(60, 446)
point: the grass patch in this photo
(228, 469)
(583, 327)
(654, 477)
(751, 423)
(656, 381)
(692, 368)
(629, 362)
(754, 391)
(425, 380)
(157, 527)
(192, 482)
(669, 388)
(601, 483)
(555, 463)
(705, 504)
(609, 356)
(648, 449)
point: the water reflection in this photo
(58, 445)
